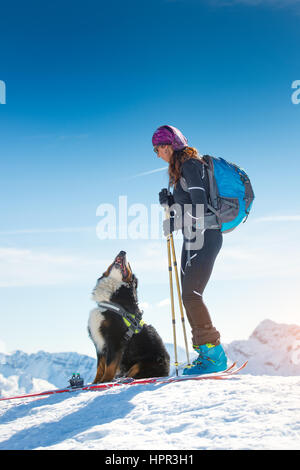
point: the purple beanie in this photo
(169, 135)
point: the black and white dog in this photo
(125, 345)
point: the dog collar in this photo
(133, 321)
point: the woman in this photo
(188, 176)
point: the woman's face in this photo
(164, 152)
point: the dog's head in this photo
(118, 283)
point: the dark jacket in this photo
(196, 187)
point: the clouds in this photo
(278, 3)
(265, 247)
(35, 267)
(250, 3)
(48, 230)
(294, 5)
(149, 172)
(268, 248)
(161, 304)
(31, 267)
(278, 218)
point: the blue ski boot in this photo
(211, 359)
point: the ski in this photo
(226, 374)
(237, 370)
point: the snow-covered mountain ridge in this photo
(25, 373)
(272, 349)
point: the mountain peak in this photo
(272, 349)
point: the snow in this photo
(241, 413)
(258, 409)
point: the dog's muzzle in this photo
(121, 263)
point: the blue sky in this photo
(86, 86)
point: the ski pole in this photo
(167, 212)
(180, 301)
(179, 293)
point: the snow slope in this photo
(247, 412)
(256, 410)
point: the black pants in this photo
(194, 277)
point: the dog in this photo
(125, 345)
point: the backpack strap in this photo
(210, 220)
(213, 190)
(133, 321)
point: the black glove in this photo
(165, 198)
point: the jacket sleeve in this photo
(190, 171)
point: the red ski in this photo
(226, 374)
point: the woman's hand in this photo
(165, 198)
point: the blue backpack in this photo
(231, 193)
